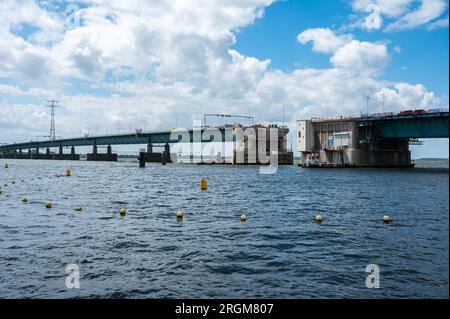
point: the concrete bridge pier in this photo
(95, 156)
(166, 153)
(21, 155)
(73, 156)
(149, 148)
(151, 157)
(38, 156)
(17, 154)
(68, 157)
(142, 156)
(163, 157)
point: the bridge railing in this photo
(402, 113)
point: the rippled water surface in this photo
(280, 252)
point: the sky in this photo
(120, 65)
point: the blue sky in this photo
(165, 62)
(424, 56)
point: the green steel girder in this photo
(422, 125)
(435, 127)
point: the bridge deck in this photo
(162, 137)
(419, 125)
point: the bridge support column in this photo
(68, 157)
(35, 155)
(44, 156)
(142, 157)
(108, 157)
(149, 148)
(163, 157)
(151, 157)
(21, 155)
(167, 151)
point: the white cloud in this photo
(324, 40)
(428, 11)
(362, 57)
(440, 23)
(177, 39)
(389, 8)
(411, 96)
(178, 63)
(352, 55)
(403, 14)
(328, 92)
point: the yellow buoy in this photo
(244, 218)
(68, 172)
(180, 214)
(318, 219)
(78, 208)
(387, 219)
(203, 184)
(6, 165)
(122, 212)
(48, 205)
(24, 200)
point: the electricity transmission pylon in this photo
(52, 106)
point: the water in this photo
(280, 252)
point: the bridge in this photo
(375, 140)
(157, 137)
(163, 137)
(371, 140)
